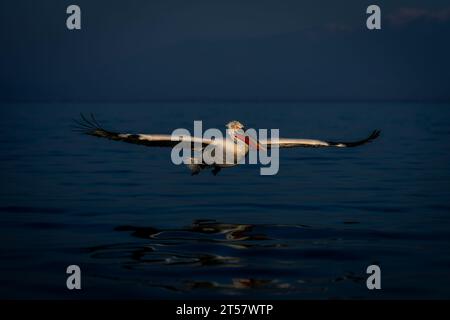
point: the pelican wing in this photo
(310, 143)
(93, 128)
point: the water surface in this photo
(141, 227)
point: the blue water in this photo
(141, 227)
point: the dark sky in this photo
(224, 50)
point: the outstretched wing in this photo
(310, 143)
(93, 128)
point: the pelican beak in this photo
(250, 142)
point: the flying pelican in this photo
(236, 142)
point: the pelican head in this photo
(235, 125)
(236, 131)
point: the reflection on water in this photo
(227, 231)
(228, 257)
(164, 246)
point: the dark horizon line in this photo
(210, 100)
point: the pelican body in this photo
(231, 150)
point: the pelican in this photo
(236, 142)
